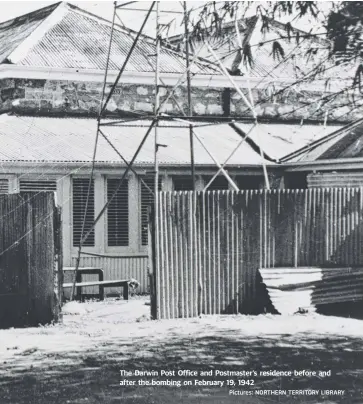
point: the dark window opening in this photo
(80, 191)
(38, 186)
(183, 183)
(147, 199)
(4, 186)
(118, 213)
(296, 181)
(220, 183)
(249, 182)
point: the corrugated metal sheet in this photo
(335, 180)
(279, 140)
(80, 40)
(72, 140)
(213, 244)
(27, 260)
(265, 64)
(116, 268)
(13, 32)
(346, 142)
(293, 290)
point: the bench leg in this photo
(79, 288)
(126, 291)
(101, 288)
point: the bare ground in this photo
(80, 360)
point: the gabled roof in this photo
(65, 36)
(344, 143)
(265, 64)
(15, 31)
(55, 141)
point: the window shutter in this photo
(147, 199)
(220, 183)
(38, 186)
(4, 186)
(118, 213)
(80, 190)
(183, 183)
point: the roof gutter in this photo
(11, 71)
(329, 164)
(321, 141)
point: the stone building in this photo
(52, 66)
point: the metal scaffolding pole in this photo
(78, 260)
(156, 164)
(127, 59)
(159, 283)
(190, 107)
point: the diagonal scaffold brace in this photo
(122, 179)
(93, 160)
(103, 106)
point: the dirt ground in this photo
(79, 361)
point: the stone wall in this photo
(82, 98)
(272, 103)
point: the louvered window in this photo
(38, 186)
(183, 183)
(147, 199)
(219, 183)
(80, 190)
(249, 182)
(118, 213)
(4, 186)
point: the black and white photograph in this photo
(181, 202)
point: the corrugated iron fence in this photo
(212, 244)
(30, 282)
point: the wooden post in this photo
(190, 107)
(156, 261)
(152, 259)
(134, 213)
(100, 199)
(67, 221)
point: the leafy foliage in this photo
(343, 25)
(277, 50)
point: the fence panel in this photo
(212, 244)
(29, 288)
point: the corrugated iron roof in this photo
(279, 140)
(13, 32)
(294, 64)
(41, 139)
(346, 142)
(73, 38)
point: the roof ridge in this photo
(37, 11)
(224, 26)
(37, 34)
(97, 17)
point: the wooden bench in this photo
(86, 271)
(124, 283)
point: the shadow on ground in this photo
(94, 377)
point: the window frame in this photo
(84, 247)
(106, 246)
